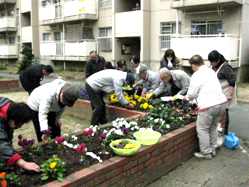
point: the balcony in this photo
(186, 4)
(185, 46)
(27, 34)
(59, 50)
(25, 6)
(7, 1)
(8, 51)
(68, 11)
(7, 24)
(128, 24)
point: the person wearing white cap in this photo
(48, 104)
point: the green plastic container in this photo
(147, 137)
(125, 152)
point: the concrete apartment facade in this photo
(63, 32)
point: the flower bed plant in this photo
(71, 153)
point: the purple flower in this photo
(125, 130)
(96, 134)
(100, 140)
(103, 135)
(19, 136)
(20, 143)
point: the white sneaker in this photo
(213, 152)
(206, 156)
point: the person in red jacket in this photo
(13, 116)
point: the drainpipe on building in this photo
(177, 22)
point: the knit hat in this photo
(142, 68)
(71, 93)
(131, 79)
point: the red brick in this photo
(130, 165)
(151, 161)
(118, 178)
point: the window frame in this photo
(165, 41)
(207, 24)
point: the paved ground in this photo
(230, 168)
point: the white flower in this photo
(163, 122)
(167, 126)
(66, 135)
(75, 138)
(180, 118)
(119, 132)
(156, 120)
(151, 118)
(91, 154)
(74, 147)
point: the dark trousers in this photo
(56, 131)
(98, 106)
(226, 122)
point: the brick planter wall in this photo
(9, 85)
(82, 109)
(148, 164)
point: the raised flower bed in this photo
(8, 85)
(148, 164)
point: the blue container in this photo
(231, 141)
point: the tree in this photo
(27, 59)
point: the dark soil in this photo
(69, 156)
(72, 159)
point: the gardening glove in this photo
(127, 88)
(178, 96)
(148, 96)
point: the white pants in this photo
(207, 127)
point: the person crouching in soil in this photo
(13, 116)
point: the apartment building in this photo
(18, 26)
(69, 29)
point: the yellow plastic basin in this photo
(125, 152)
(147, 137)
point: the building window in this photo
(105, 39)
(105, 32)
(105, 3)
(205, 27)
(46, 36)
(45, 3)
(11, 40)
(167, 30)
(17, 16)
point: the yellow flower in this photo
(136, 97)
(52, 165)
(141, 106)
(140, 100)
(134, 102)
(145, 106)
(150, 107)
(56, 159)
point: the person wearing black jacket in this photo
(13, 116)
(31, 77)
(95, 64)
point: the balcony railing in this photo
(185, 46)
(104, 43)
(68, 9)
(7, 23)
(67, 49)
(7, 1)
(8, 50)
(128, 24)
(105, 3)
(165, 40)
(27, 34)
(191, 3)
